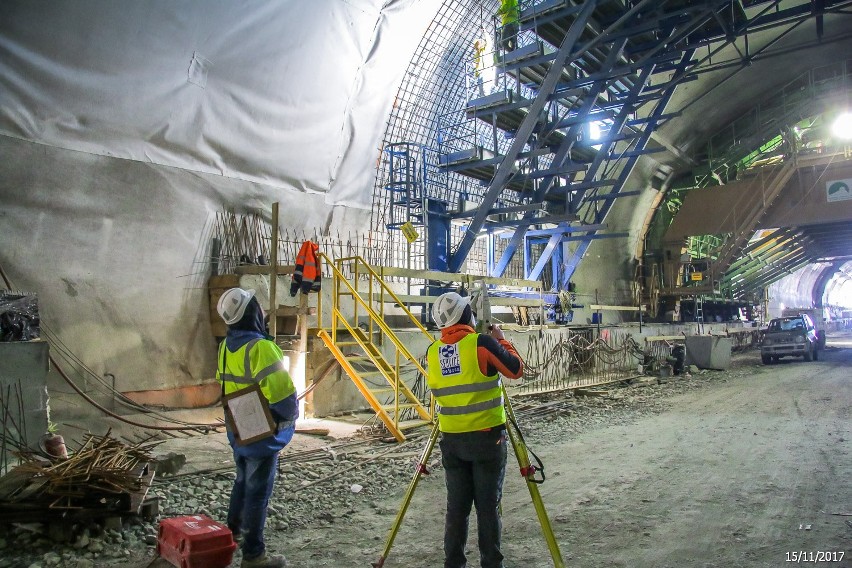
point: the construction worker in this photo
(463, 374)
(248, 356)
(482, 71)
(509, 14)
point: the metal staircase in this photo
(576, 111)
(404, 182)
(355, 331)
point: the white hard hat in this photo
(232, 304)
(448, 309)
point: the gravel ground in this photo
(339, 488)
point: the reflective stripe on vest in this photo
(245, 378)
(232, 382)
(467, 399)
(468, 409)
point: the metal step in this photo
(410, 424)
(402, 406)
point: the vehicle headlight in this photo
(800, 339)
(767, 341)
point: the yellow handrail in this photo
(386, 288)
(371, 312)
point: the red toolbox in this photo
(195, 542)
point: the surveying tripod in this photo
(528, 472)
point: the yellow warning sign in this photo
(696, 276)
(409, 231)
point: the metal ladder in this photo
(699, 313)
(366, 347)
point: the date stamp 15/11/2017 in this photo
(814, 556)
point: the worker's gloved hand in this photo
(495, 332)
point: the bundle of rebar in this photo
(102, 465)
(576, 358)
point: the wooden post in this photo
(301, 376)
(273, 273)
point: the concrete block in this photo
(22, 360)
(23, 373)
(708, 352)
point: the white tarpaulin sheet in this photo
(273, 92)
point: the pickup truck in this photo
(794, 336)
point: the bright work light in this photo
(842, 127)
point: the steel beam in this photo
(641, 142)
(563, 229)
(506, 167)
(558, 158)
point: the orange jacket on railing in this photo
(308, 274)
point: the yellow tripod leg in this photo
(524, 463)
(406, 501)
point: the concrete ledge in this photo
(194, 396)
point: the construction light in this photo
(595, 130)
(842, 127)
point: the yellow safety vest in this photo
(237, 371)
(467, 400)
(508, 11)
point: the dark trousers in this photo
(509, 37)
(474, 466)
(249, 499)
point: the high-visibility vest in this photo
(258, 361)
(480, 46)
(508, 11)
(307, 274)
(467, 400)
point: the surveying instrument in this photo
(522, 453)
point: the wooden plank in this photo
(457, 277)
(295, 311)
(226, 281)
(665, 338)
(219, 328)
(264, 269)
(215, 294)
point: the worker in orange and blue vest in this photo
(463, 374)
(248, 356)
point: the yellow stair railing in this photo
(344, 331)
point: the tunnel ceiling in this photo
(737, 78)
(800, 71)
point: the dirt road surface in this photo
(748, 468)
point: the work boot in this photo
(264, 561)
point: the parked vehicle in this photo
(794, 336)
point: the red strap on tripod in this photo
(528, 471)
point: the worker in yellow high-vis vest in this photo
(464, 369)
(509, 14)
(482, 70)
(248, 356)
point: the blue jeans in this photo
(474, 466)
(249, 499)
